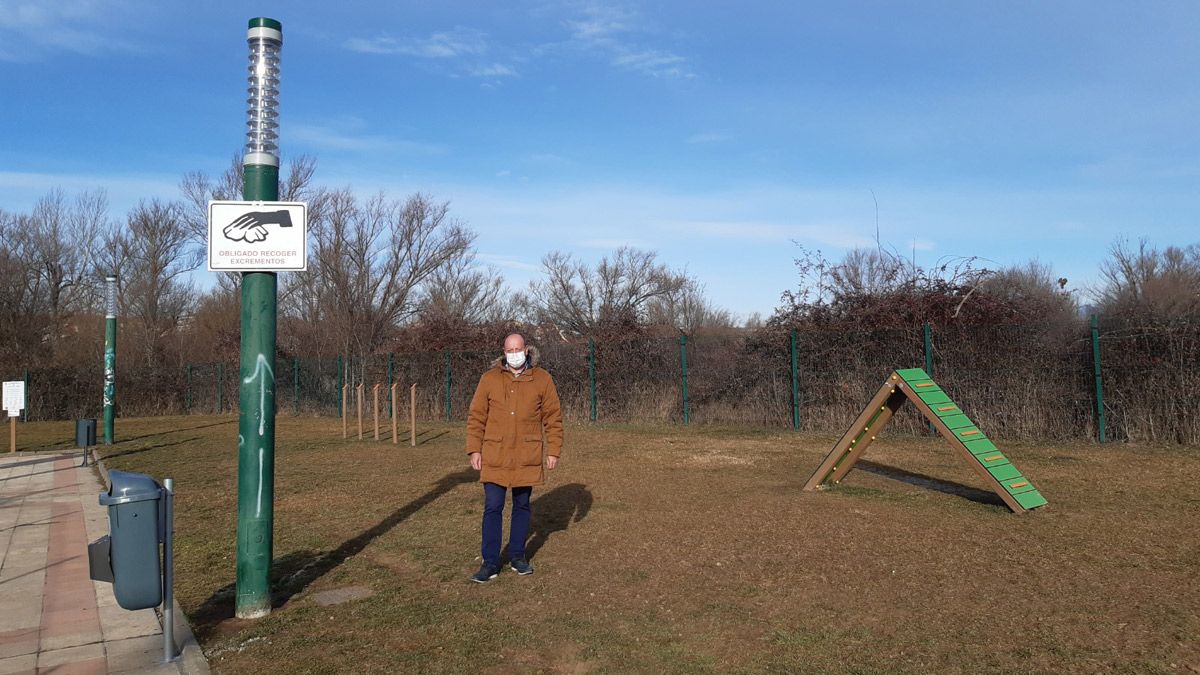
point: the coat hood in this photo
(533, 358)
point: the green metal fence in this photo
(1069, 381)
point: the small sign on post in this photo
(251, 236)
(14, 403)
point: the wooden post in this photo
(12, 433)
(345, 404)
(358, 394)
(412, 417)
(395, 419)
(375, 408)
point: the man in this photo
(513, 405)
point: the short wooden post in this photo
(395, 418)
(12, 433)
(345, 403)
(358, 393)
(412, 416)
(375, 408)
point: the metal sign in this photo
(257, 236)
(14, 397)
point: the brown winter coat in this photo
(506, 423)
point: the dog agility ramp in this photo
(915, 385)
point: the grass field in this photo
(687, 550)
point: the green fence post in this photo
(220, 387)
(28, 397)
(1100, 425)
(391, 380)
(592, 373)
(187, 396)
(340, 402)
(296, 382)
(449, 380)
(795, 386)
(683, 368)
(928, 335)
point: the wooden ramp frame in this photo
(914, 384)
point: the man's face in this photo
(514, 344)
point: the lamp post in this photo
(110, 357)
(256, 386)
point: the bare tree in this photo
(463, 292)
(369, 260)
(198, 189)
(150, 254)
(687, 310)
(58, 237)
(1148, 283)
(586, 300)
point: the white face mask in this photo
(515, 360)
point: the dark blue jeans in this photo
(493, 521)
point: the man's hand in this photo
(251, 227)
(477, 461)
(551, 461)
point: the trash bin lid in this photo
(129, 487)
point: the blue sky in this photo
(714, 133)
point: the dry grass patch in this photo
(690, 550)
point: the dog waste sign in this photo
(257, 236)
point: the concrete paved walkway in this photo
(53, 617)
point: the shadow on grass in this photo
(296, 571)
(930, 483)
(135, 451)
(175, 431)
(555, 511)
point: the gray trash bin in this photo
(85, 433)
(134, 504)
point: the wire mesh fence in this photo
(1017, 381)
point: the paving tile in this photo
(59, 657)
(19, 664)
(88, 667)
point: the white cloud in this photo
(616, 243)
(607, 30)
(493, 70)
(508, 262)
(346, 134)
(838, 236)
(695, 139)
(460, 41)
(31, 29)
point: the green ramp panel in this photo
(1002, 470)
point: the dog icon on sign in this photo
(251, 227)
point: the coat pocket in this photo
(491, 451)
(529, 450)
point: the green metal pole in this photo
(256, 399)
(220, 387)
(592, 373)
(187, 398)
(1101, 434)
(110, 359)
(25, 412)
(391, 373)
(795, 386)
(683, 368)
(340, 381)
(928, 335)
(449, 381)
(928, 349)
(296, 383)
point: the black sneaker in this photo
(521, 566)
(485, 574)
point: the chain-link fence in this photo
(1026, 381)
